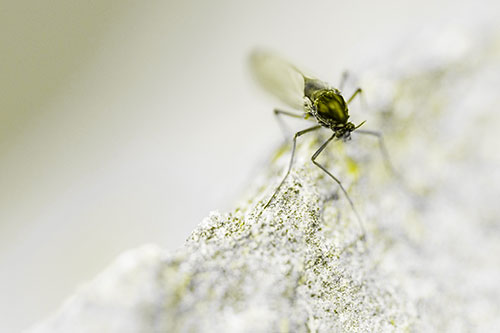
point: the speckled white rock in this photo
(431, 260)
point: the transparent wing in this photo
(279, 77)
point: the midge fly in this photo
(318, 101)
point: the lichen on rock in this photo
(429, 261)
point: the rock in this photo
(430, 260)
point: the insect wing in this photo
(279, 77)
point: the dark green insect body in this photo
(327, 105)
(317, 100)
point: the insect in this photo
(318, 102)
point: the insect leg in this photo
(313, 158)
(310, 129)
(387, 161)
(358, 91)
(278, 113)
(343, 79)
(383, 149)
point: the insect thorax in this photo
(327, 106)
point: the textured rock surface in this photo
(431, 259)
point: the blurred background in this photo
(126, 122)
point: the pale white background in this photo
(126, 122)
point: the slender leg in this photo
(345, 75)
(278, 113)
(383, 149)
(358, 91)
(310, 129)
(313, 158)
(387, 161)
